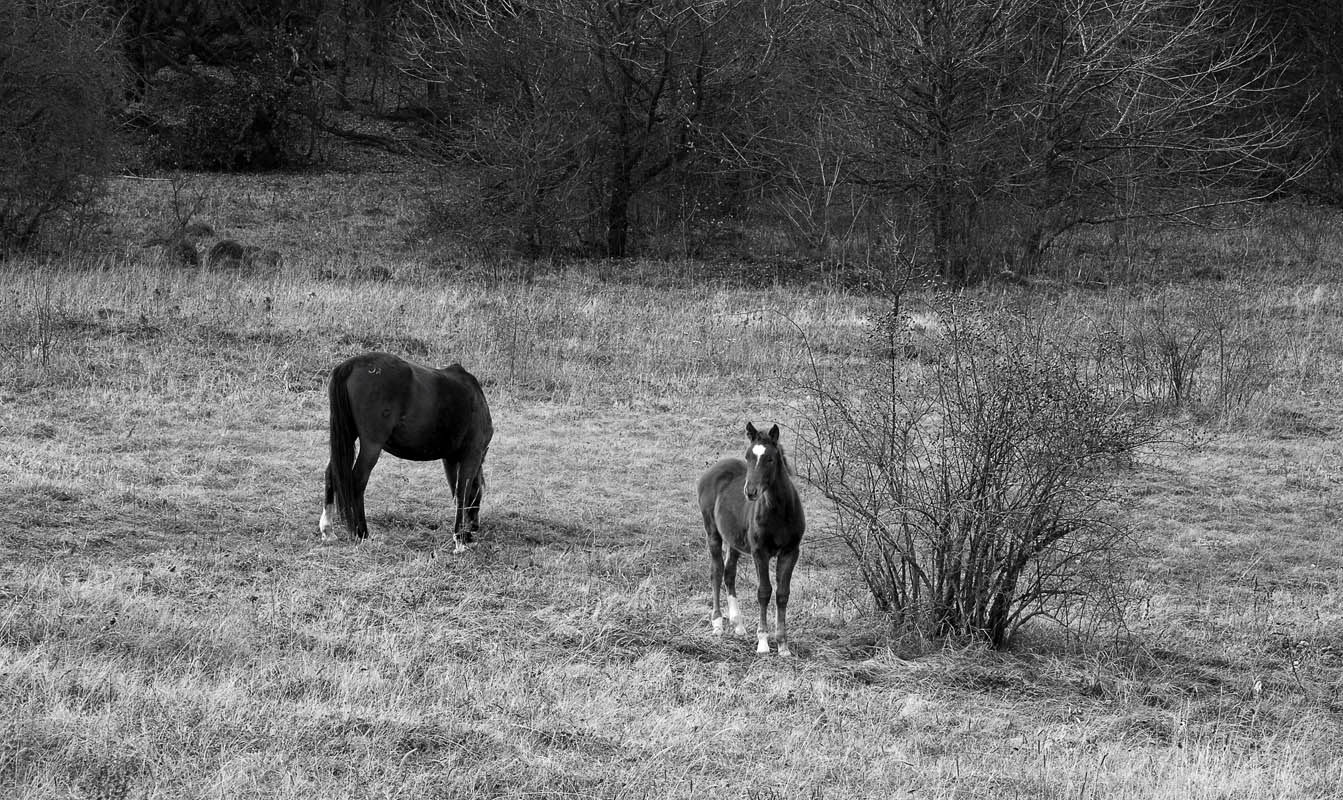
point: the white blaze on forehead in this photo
(759, 450)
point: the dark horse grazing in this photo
(412, 412)
(752, 506)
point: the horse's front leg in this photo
(762, 594)
(465, 478)
(784, 574)
(453, 472)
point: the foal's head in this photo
(764, 461)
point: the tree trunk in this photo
(617, 213)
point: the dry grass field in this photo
(170, 627)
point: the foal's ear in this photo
(774, 434)
(751, 432)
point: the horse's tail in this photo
(343, 435)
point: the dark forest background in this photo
(965, 137)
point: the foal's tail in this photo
(343, 435)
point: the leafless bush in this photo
(974, 489)
(1211, 352)
(58, 76)
(179, 238)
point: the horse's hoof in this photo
(459, 547)
(718, 627)
(784, 651)
(762, 646)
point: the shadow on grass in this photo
(431, 531)
(513, 528)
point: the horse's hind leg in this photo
(783, 571)
(730, 581)
(328, 510)
(715, 543)
(363, 467)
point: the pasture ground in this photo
(170, 627)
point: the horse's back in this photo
(718, 477)
(373, 373)
(418, 413)
(375, 387)
(721, 501)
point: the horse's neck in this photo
(778, 499)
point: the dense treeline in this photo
(964, 136)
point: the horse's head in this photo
(764, 461)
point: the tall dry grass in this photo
(169, 627)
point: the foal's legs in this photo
(730, 580)
(762, 594)
(784, 574)
(715, 543)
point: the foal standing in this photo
(752, 506)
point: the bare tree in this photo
(59, 73)
(1312, 34)
(1002, 123)
(581, 108)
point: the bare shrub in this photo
(974, 489)
(180, 237)
(1310, 233)
(58, 78)
(1213, 351)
